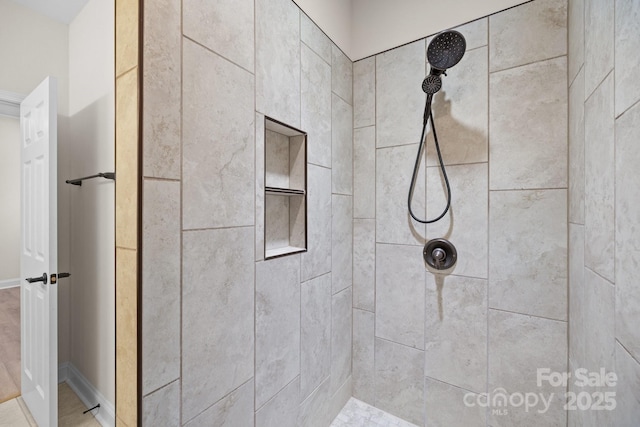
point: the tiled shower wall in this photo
(604, 123)
(421, 342)
(228, 338)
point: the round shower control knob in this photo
(440, 254)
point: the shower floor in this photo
(359, 414)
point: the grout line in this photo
(161, 387)
(181, 231)
(525, 314)
(488, 194)
(218, 401)
(452, 385)
(230, 227)
(503, 190)
(208, 49)
(262, 170)
(635, 104)
(627, 351)
(538, 61)
(577, 73)
(155, 178)
(609, 282)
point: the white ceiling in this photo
(60, 10)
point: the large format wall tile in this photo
(277, 325)
(217, 316)
(161, 89)
(394, 167)
(282, 410)
(317, 260)
(400, 380)
(575, 32)
(518, 346)
(363, 355)
(235, 409)
(449, 406)
(364, 172)
(528, 126)
(341, 242)
(577, 301)
(627, 411)
(576, 150)
(466, 224)
(531, 32)
(341, 338)
(224, 26)
(161, 284)
(599, 23)
(628, 231)
(456, 331)
(461, 112)
(315, 334)
(316, 107)
(364, 263)
(162, 407)
(364, 92)
(400, 290)
(399, 96)
(599, 187)
(341, 75)
(341, 146)
(218, 187)
(314, 38)
(627, 61)
(278, 60)
(529, 277)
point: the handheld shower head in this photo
(445, 50)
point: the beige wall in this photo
(378, 25)
(365, 27)
(335, 18)
(33, 47)
(92, 210)
(604, 226)
(10, 198)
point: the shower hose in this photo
(428, 115)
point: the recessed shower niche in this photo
(285, 213)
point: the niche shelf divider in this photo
(285, 194)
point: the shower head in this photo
(445, 50)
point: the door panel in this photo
(39, 299)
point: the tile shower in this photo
(231, 339)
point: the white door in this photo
(39, 253)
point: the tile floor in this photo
(359, 414)
(14, 412)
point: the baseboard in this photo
(63, 372)
(9, 283)
(87, 393)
